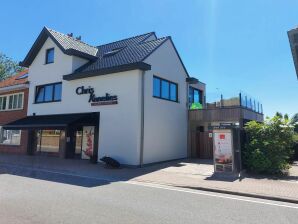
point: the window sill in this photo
(13, 145)
(9, 110)
(48, 63)
(56, 101)
(156, 97)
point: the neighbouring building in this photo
(127, 99)
(225, 112)
(13, 105)
(293, 39)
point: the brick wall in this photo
(9, 116)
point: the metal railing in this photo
(242, 100)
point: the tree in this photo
(8, 66)
(270, 145)
(294, 122)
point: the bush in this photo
(269, 146)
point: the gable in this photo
(68, 45)
(168, 55)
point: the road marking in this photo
(164, 187)
(219, 195)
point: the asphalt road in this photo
(68, 199)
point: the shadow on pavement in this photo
(76, 172)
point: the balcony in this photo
(234, 109)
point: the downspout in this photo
(188, 125)
(142, 118)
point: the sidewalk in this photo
(195, 174)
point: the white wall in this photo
(41, 73)
(119, 128)
(165, 123)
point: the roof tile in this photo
(15, 79)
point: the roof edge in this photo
(121, 68)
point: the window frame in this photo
(47, 52)
(53, 93)
(7, 96)
(9, 144)
(160, 89)
(191, 91)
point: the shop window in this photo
(48, 93)
(10, 137)
(12, 102)
(3, 102)
(165, 89)
(48, 141)
(50, 56)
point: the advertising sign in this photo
(223, 150)
(94, 100)
(87, 142)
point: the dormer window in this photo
(50, 56)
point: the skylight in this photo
(22, 76)
(112, 52)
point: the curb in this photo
(252, 195)
(215, 190)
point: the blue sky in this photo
(230, 45)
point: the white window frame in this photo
(7, 101)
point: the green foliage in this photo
(7, 66)
(294, 122)
(269, 146)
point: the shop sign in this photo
(107, 99)
(223, 150)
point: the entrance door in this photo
(204, 145)
(78, 143)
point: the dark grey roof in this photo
(130, 54)
(68, 43)
(122, 55)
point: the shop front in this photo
(63, 135)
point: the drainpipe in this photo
(142, 118)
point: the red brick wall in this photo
(9, 116)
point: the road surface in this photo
(45, 198)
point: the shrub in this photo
(269, 146)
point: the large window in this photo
(50, 56)
(12, 102)
(195, 96)
(165, 89)
(49, 141)
(10, 137)
(48, 93)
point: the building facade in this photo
(293, 39)
(13, 105)
(128, 99)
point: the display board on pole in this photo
(223, 152)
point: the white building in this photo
(132, 95)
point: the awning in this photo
(57, 121)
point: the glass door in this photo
(78, 143)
